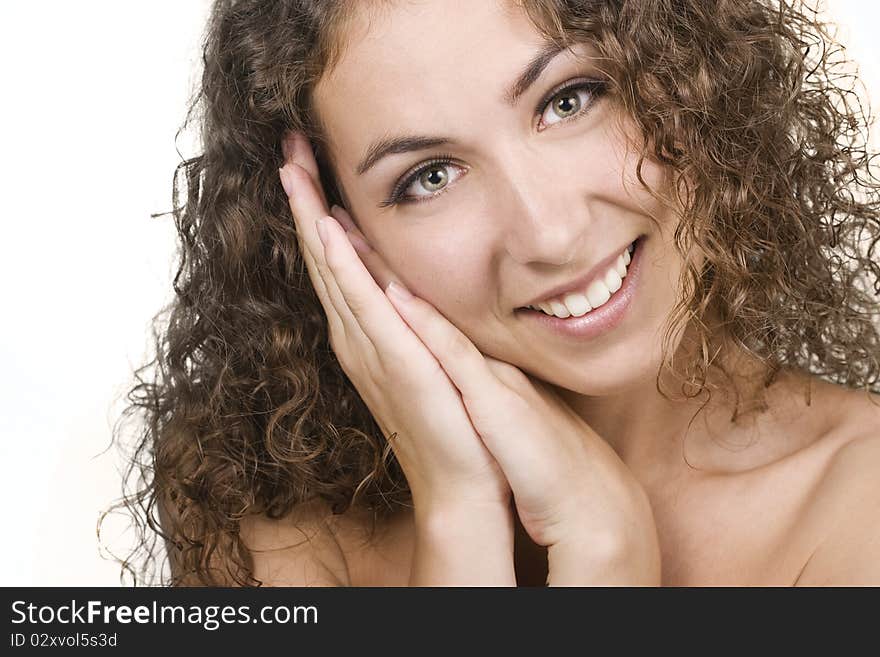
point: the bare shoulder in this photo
(300, 549)
(846, 502)
(312, 546)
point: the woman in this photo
(555, 292)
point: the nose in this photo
(544, 210)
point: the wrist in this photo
(604, 560)
(449, 522)
(457, 545)
(627, 554)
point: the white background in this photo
(93, 93)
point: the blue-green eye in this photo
(571, 100)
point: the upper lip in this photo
(580, 283)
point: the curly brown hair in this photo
(245, 409)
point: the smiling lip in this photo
(579, 284)
(599, 320)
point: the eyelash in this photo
(596, 89)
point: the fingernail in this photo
(286, 182)
(398, 291)
(322, 230)
(359, 243)
(340, 215)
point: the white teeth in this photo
(577, 304)
(613, 280)
(598, 293)
(560, 310)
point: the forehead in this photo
(406, 66)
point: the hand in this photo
(401, 382)
(572, 492)
(578, 498)
(477, 426)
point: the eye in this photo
(432, 176)
(566, 102)
(575, 98)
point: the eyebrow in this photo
(404, 144)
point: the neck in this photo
(685, 433)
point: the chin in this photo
(620, 369)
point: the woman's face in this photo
(521, 201)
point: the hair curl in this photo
(246, 408)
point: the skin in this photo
(609, 479)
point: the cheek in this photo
(450, 273)
(458, 279)
(624, 176)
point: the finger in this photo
(496, 411)
(458, 356)
(298, 149)
(305, 204)
(344, 218)
(306, 197)
(510, 375)
(309, 201)
(373, 261)
(307, 207)
(502, 417)
(355, 236)
(364, 300)
(335, 322)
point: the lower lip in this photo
(602, 319)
